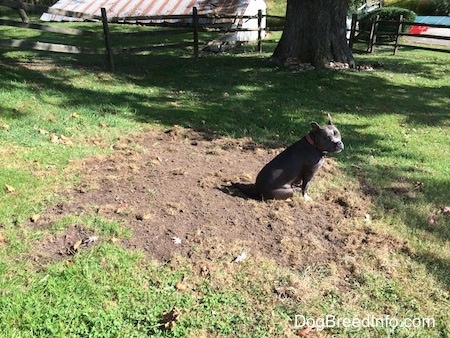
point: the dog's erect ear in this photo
(330, 122)
(315, 126)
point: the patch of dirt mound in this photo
(173, 191)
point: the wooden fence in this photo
(56, 47)
(395, 37)
(185, 24)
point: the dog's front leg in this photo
(305, 185)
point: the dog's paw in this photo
(307, 198)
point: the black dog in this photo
(297, 163)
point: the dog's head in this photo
(327, 138)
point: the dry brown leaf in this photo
(246, 177)
(64, 140)
(170, 318)
(122, 210)
(54, 138)
(179, 171)
(143, 216)
(35, 218)
(10, 189)
(76, 245)
(181, 285)
(304, 332)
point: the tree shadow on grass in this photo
(230, 86)
(241, 95)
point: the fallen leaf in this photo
(181, 285)
(304, 332)
(76, 116)
(54, 138)
(446, 209)
(5, 126)
(170, 318)
(65, 140)
(143, 216)
(154, 162)
(35, 218)
(43, 132)
(76, 245)
(247, 177)
(179, 171)
(122, 209)
(9, 188)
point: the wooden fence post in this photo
(373, 34)
(259, 31)
(399, 30)
(195, 24)
(107, 40)
(352, 30)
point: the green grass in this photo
(395, 123)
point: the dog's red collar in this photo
(309, 139)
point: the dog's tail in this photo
(248, 189)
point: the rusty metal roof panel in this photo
(127, 8)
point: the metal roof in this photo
(127, 8)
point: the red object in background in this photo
(418, 29)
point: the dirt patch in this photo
(173, 190)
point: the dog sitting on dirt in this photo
(297, 163)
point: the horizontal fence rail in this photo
(376, 36)
(192, 24)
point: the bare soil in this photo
(176, 184)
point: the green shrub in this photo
(442, 7)
(386, 30)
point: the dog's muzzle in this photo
(339, 146)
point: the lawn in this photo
(59, 113)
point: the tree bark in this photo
(23, 15)
(315, 32)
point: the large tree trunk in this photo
(23, 15)
(315, 32)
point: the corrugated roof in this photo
(127, 8)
